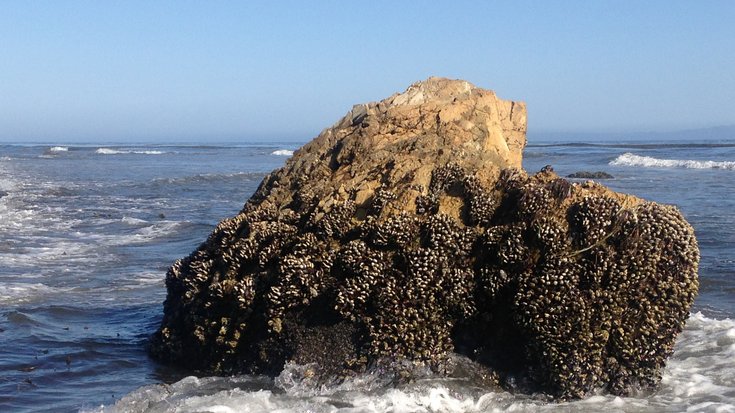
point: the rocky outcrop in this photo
(408, 232)
(590, 175)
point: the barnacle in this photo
(506, 244)
(511, 179)
(397, 231)
(592, 219)
(534, 277)
(381, 198)
(336, 222)
(442, 233)
(482, 205)
(533, 199)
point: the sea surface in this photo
(88, 231)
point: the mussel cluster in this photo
(559, 286)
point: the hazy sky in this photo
(213, 71)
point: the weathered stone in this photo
(590, 175)
(408, 231)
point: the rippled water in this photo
(87, 233)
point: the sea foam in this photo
(630, 159)
(18, 292)
(282, 152)
(109, 151)
(700, 377)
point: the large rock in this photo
(408, 232)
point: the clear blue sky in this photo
(213, 71)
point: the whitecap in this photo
(282, 152)
(58, 149)
(630, 159)
(109, 151)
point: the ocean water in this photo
(87, 233)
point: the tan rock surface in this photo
(398, 142)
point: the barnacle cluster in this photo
(539, 278)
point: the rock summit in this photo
(408, 234)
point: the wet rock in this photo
(407, 233)
(590, 175)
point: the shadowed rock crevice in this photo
(408, 232)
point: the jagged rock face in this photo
(408, 231)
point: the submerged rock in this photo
(407, 232)
(590, 175)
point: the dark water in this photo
(87, 233)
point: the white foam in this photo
(700, 377)
(109, 151)
(45, 259)
(282, 152)
(159, 229)
(17, 293)
(629, 159)
(133, 221)
(140, 236)
(704, 362)
(7, 184)
(58, 149)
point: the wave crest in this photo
(282, 152)
(630, 159)
(108, 151)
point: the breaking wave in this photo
(282, 152)
(108, 151)
(630, 159)
(54, 151)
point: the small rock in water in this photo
(590, 175)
